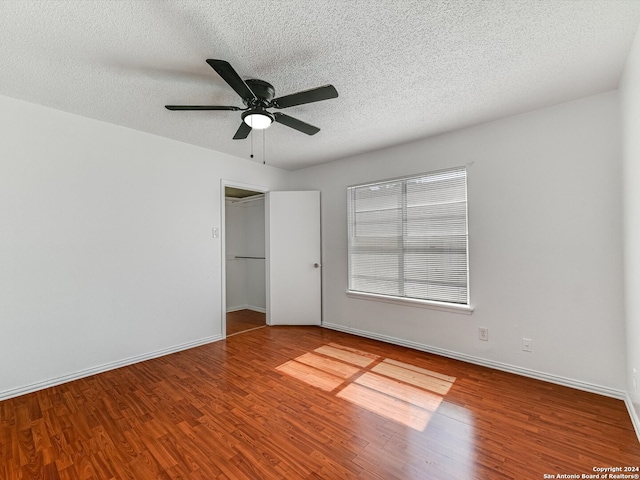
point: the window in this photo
(408, 238)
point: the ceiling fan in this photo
(257, 95)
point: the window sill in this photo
(446, 307)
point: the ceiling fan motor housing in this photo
(263, 91)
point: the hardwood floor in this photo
(310, 403)
(243, 320)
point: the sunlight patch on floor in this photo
(399, 391)
(418, 379)
(348, 356)
(310, 375)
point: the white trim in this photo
(633, 414)
(34, 387)
(267, 255)
(505, 367)
(413, 302)
(247, 307)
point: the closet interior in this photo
(245, 260)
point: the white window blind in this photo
(408, 237)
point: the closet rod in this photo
(256, 258)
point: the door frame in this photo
(223, 234)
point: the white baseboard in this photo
(236, 308)
(33, 387)
(247, 307)
(505, 367)
(633, 414)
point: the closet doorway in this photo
(244, 230)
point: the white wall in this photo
(245, 230)
(106, 251)
(630, 100)
(256, 275)
(236, 244)
(545, 243)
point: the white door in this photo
(293, 258)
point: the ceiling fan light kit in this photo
(258, 118)
(257, 95)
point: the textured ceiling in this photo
(404, 69)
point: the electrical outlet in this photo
(215, 232)
(527, 345)
(483, 334)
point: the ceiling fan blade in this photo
(242, 132)
(229, 75)
(295, 124)
(308, 96)
(201, 107)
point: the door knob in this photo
(316, 265)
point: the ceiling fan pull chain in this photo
(251, 134)
(264, 158)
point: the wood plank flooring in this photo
(243, 320)
(361, 410)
